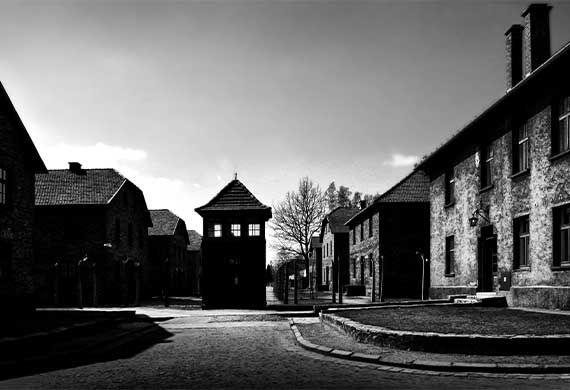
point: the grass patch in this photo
(463, 320)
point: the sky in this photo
(180, 95)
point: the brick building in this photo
(90, 237)
(316, 257)
(167, 271)
(19, 162)
(233, 249)
(194, 256)
(385, 239)
(335, 247)
(500, 187)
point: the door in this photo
(487, 259)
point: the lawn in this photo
(462, 320)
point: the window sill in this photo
(562, 267)
(485, 189)
(450, 204)
(450, 275)
(559, 155)
(520, 174)
(522, 269)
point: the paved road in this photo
(234, 349)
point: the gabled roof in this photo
(32, 155)
(61, 187)
(195, 240)
(337, 218)
(414, 188)
(234, 196)
(164, 222)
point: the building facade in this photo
(194, 257)
(233, 248)
(389, 242)
(167, 271)
(19, 162)
(500, 192)
(335, 248)
(316, 263)
(90, 237)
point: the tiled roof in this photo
(7, 109)
(195, 240)
(337, 218)
(413, 188)
(164, 222)
(234, 196)
(316, 242)
(86, 187)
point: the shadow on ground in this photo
(94, 339)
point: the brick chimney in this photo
(514, 55)
(536, 36)
(75, 167)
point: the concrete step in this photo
(465, 301)
(481, 295)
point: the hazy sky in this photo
(179, 95)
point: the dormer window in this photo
(3, 186)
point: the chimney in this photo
(75, 167)
(536, 36)
(514, 55)
(362, 204)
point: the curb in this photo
(477, 344)
(430, 365)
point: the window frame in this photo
(521, 149)
(217, 230)
(450, 255)
(487, 158)
(449, 178)
(561, 126)
(370, 264)
(521, 242)
(561, 229)
(370, 227)
(361, 231)
(253, 231)
(235, 230)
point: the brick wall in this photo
(365, 247)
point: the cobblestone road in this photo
(229, 350)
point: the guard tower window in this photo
(254, 230)
(235, 229)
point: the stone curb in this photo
(449, 342)
(431, 365)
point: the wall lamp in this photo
(480, 212)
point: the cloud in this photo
(91, 156)
(399, 160)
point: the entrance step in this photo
(465, 301)
(482, 295)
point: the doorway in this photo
(487, 264)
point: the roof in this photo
(414, 188)
(7, 108)
(164, 222)
(61, 187)
(195, 240)
(534, 79)
(234, 196)
(337, 218)
(316, 242)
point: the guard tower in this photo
(233, 248)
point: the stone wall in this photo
(365, 247)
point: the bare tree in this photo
(297, 218)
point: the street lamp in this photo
(479, 212)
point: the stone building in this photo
(316, 257)
(194, 256)
(90, 237)
(19, 162)
(233, 248)
(386, 241)
(335, 247)
(500, 187)
(167, 271)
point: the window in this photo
(449, 255)
(117, 230)
(370, 264)
(235, 229)
(561, 139)
(354, 267)
(3, 187)
(450, 187)
(370, 230)
(5, 259)
(521, 149)
(217, 230)
(521, 242)
(353, 236)
(562, 235)
(130, 234)
(254, 229)
(362, 231)
(487, 165)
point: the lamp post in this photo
(79, 285)
(424, 261)
(56, 284)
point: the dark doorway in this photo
(487, 259)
